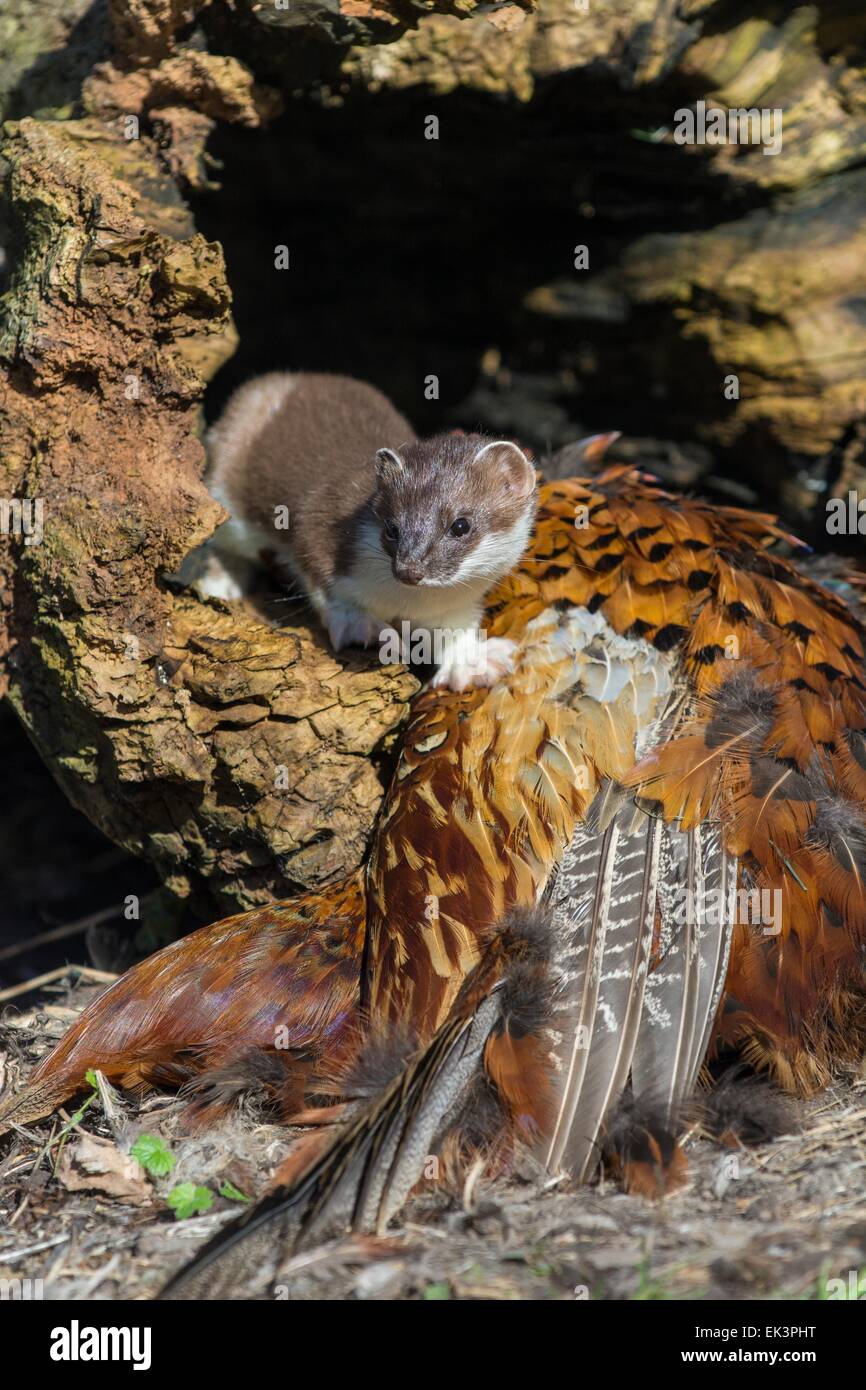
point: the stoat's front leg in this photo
(471, 658)
(216, 575)
(349, 626)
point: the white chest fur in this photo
(371, 586)
(449, 614)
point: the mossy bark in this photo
(234, 756)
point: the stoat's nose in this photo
(408, 574)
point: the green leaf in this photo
(188, 1200)
(436, 1292)
(90, 1078)
(233, 1193)
(153, 1154)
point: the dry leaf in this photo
(97, 1165)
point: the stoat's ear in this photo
(516, 470)
(388, 463)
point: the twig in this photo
(22, 1207)
(350, 1251)
(45, 938)
(99, 1277)
(85, 972)
(8, 1255)
(73, 1122)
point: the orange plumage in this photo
(669, 662)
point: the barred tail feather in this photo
(684, 989)
(602, 953)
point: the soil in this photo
(781, 1220)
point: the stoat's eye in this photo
(461, 527)
(390, 531)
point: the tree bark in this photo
(233, 756)
(773, 297)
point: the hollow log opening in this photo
(442, 257)
(435, 230)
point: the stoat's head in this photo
(456, 509)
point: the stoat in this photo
(381, 529)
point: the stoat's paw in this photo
(349, 626)
(215, 580)
(476, 664)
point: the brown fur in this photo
(311, 449)
(440, 480)
(336, 453)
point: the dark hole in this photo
(411, 258)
